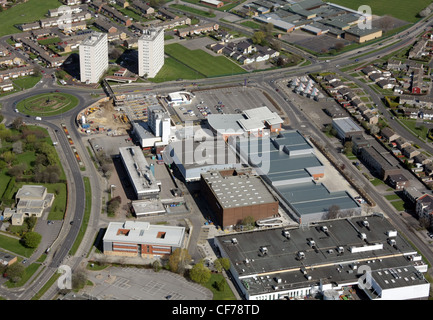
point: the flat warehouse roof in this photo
(238, 190)
(259, 257)
(346, 124)
(144, 233)
(138, 170)
(311, 198)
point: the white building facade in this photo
(151, 52)
(93, 57)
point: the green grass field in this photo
(47, 104)
(173, 70)
(400, 9)
(208, 13)
(29, 11)
(202, 62)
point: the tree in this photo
(17, 123)
(15, 272)
(79, 280)
(178, 260)
(221, 263)
(248, 221)
(18, 170)
(267, 29)
(258, 37)
(156, 266)
(220, 285)
(8, 157)
(114, 54)
(339, 46)
(199, 273)
(31, 239)
(348, 147)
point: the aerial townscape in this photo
(216, 150)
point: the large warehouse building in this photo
(324, 258)
(140, 173)
(288, 163)
(257, 121)
(193, 158)
(235, 195)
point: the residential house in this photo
(424, 208)
(386, 84)
(389, 134)
(421, 159)
(398, 181)
(401, 143)
(412, 194)
(410, 151)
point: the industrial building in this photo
(192, 158)
(93, 57)
(179, 98)
(323, 259)
(288, 163)
(234, 195)
(150, 52)
(346, 128)
(257, 121)
(156, 131)
(140, 173)
(134, 238)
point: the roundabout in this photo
(47, 104)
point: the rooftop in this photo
(144, 232)
(346, 124)
(327, 251)
(138, 170)
(238, 189)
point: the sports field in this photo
(30, 11)
(400, 9)
(202, 62)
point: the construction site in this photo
(114, 116)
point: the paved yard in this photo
(117, 283)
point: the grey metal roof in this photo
(291, 176)
(346, 124)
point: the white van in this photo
(38, 118)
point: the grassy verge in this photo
(207, 14)
(29, 271)
(226, 294)
(14, 245)
(45, 288)
(85, 222)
